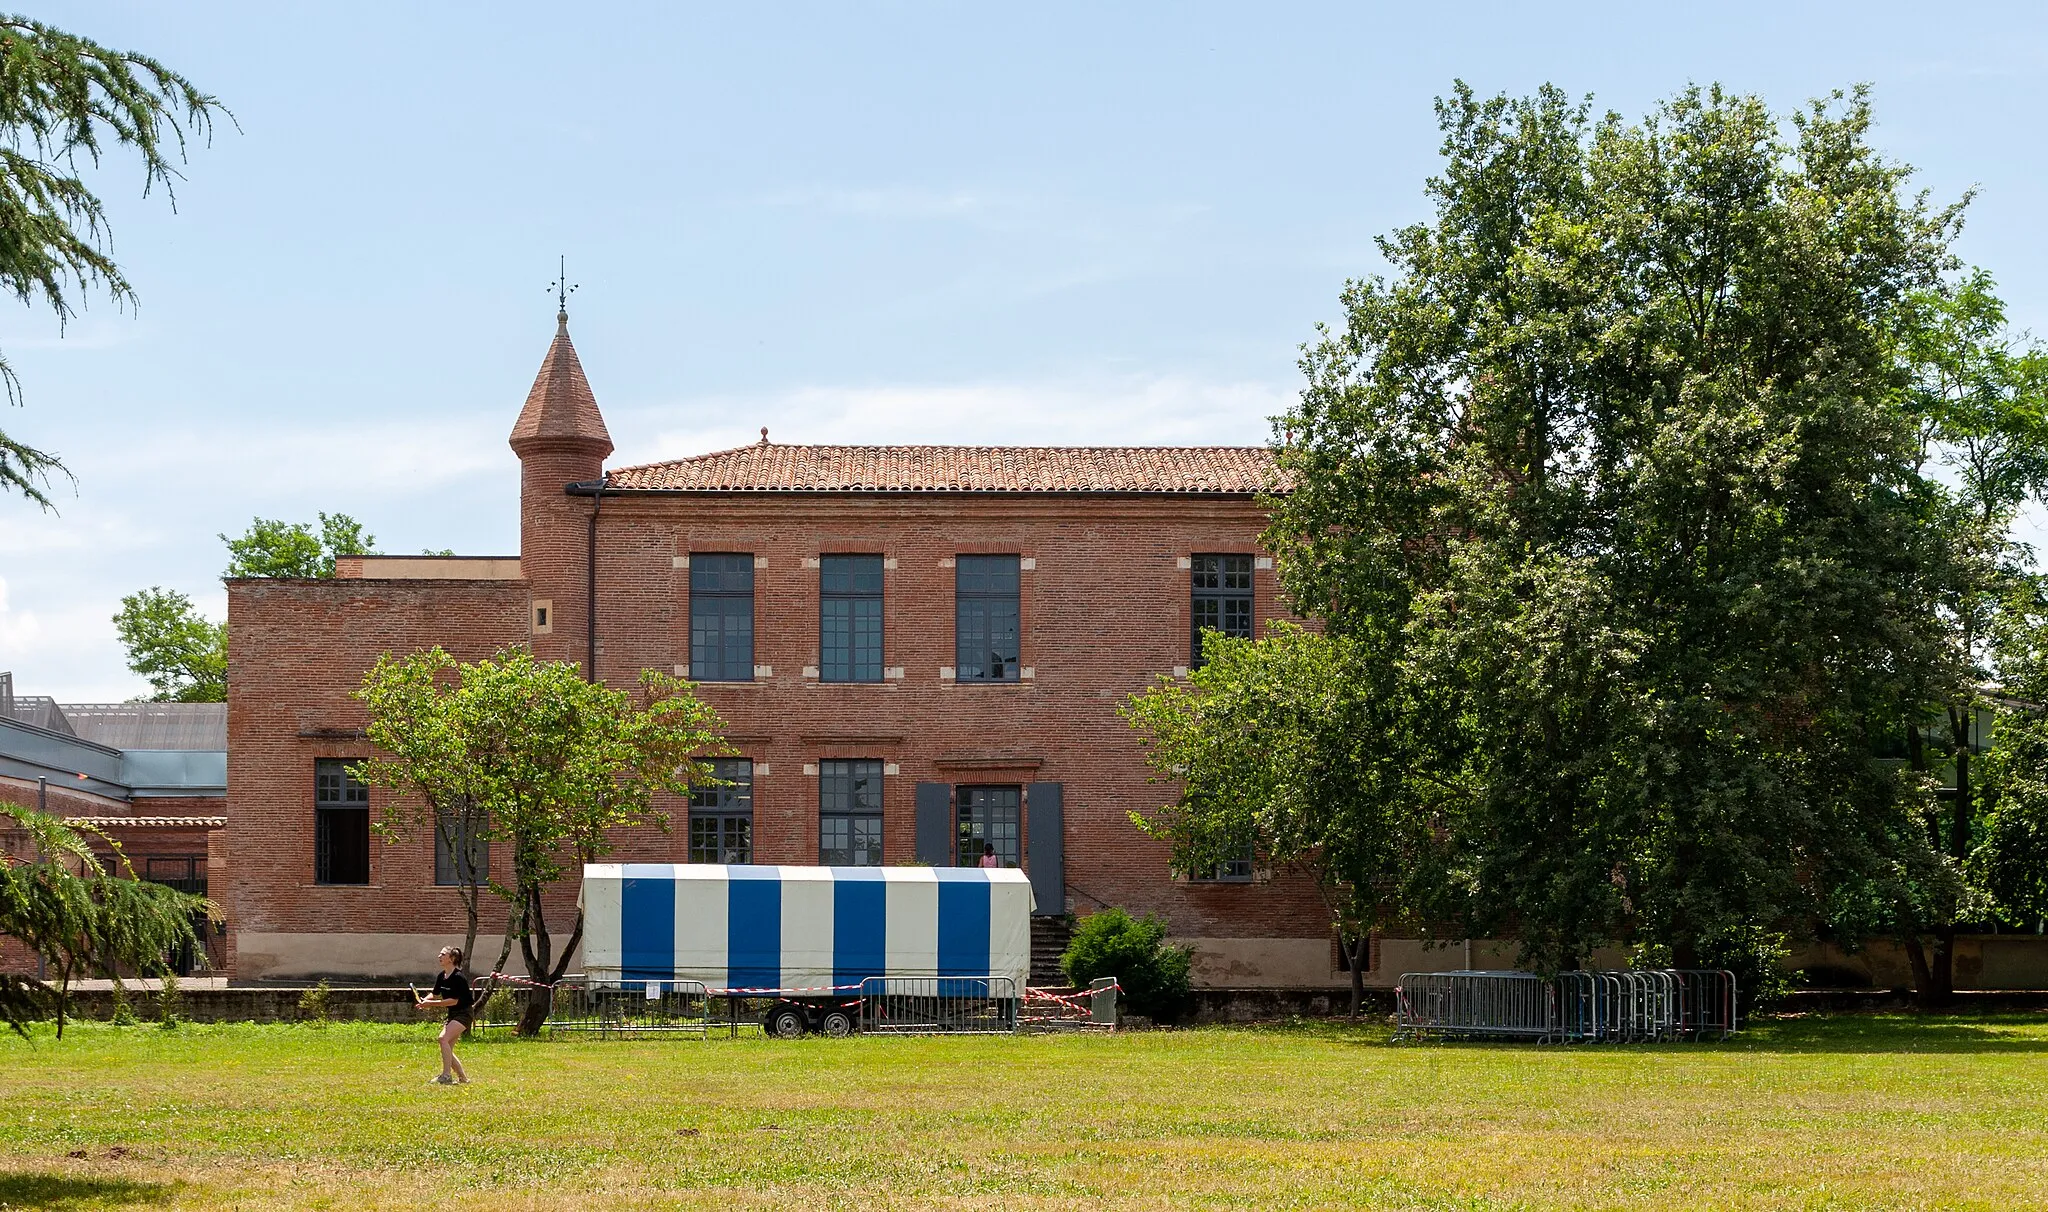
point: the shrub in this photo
(313, 1003)
(1757, 958)
(1154, 976)
(500, 1007)
(170, 1003)
(123, 1014)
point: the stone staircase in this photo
(1049, 937)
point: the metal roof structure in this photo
(150, 725)
(35, 710)
(123, 751)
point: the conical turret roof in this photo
(561, 407)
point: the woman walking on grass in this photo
(451, 989)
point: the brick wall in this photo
(297, 651)
(1105, 609)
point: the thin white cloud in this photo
(1130, 411)
(59, 651)
(403, 455)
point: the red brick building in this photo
(148, 778)
(920, 652)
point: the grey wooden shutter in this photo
(1046, 864)
(935, 824)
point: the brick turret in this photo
(560, 439)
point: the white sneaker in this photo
(442, 1080)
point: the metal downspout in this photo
(590, 596)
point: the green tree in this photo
(1664, 548)
(417, 725)
(182, 653)
(1979, 395)
(554, 763)
(270, 548)
(1303, 747)
(66, 907)
(64, 100)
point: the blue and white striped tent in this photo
(802, 929)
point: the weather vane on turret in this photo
(563, 288)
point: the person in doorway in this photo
(451, 990)
(988, 855)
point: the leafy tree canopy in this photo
(551, 762)
(271, 548)
(1619, 487)
(182, 653)
(64, 100)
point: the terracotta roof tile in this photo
(561, 405)
(150, 822)
(775, 467)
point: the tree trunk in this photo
(1916, 955)
(1941, 975)
(532, 922)
(568, 948)
(1356, 954)
(504, 951)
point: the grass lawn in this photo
(1846, 1112)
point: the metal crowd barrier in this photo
(1092, 1009)
(931, 1005)
(1490, 1005)
(1638, 1006)
(605, 1006)
(1706, 1007)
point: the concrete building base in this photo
(365, 956)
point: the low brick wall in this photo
(1270, 1005)
(257, 1005)
(280, 1004)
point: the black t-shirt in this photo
(455, 985)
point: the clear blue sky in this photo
(1076, 224)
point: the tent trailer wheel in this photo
(786, 1021)
(835, 1023)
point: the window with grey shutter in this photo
(1045, 857)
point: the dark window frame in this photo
(1242, 870)
(715, 581)
(722, 814)
(852, 583)
(841, 801)
(979, 601)
(970, 835)
(1221, 597)
(446, 874)
(341, 802)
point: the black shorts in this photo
(464, 1019)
